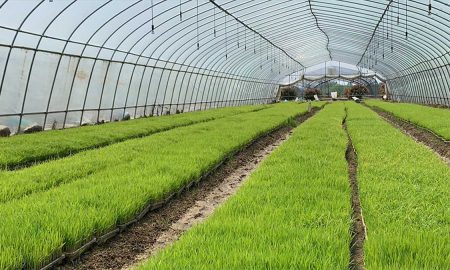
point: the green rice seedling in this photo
(28, 148)
(292, 213)
(404, 191)
(434, 119)
(19, 183)
(39, 227)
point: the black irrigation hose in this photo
(151, 206)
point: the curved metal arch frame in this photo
(77, 68)
(316, 83)
(205, 78)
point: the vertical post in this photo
(339, 73)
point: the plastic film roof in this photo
(66, 62)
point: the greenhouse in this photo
(225, 134)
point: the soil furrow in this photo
(435, 143)
(56, 156)
(358, 227)
(165, 225)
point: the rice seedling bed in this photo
(292, 213)
(19, 183)
(27, 149)
(42, 226)
(160, 227)
(404, 191)
(419, 134)
(436, 120)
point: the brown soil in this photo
(165, 225)
(358, 227)
(424, 136)
(439, 106)
(42, 159)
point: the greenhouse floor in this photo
(424, 136)
(163, 226)
(321, 185)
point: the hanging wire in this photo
(260, 56)
(398, 12)
(429, 7)
(198, 41)
(376, 49)
(279, 62)
(153, 25)
(271, 62)
(387, 23)
(254, 43)
(237, 33)
(383, 30)
(226, 37)
(377, 37)
(406, 19)
(368, 63)
(214, 20)
(245, 38)
(392, 30)
(273, 55)
(303, 79)
(181, 13)
(365, 63)
(374, 44)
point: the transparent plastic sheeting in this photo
(65, 62)
(335, 72)
(331, 70)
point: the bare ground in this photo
(358, 227)
(437, 144)
(165, 225)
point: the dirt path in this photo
(358, 227)
(438, 145)
(165, 225)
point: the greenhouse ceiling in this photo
(66, 62)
